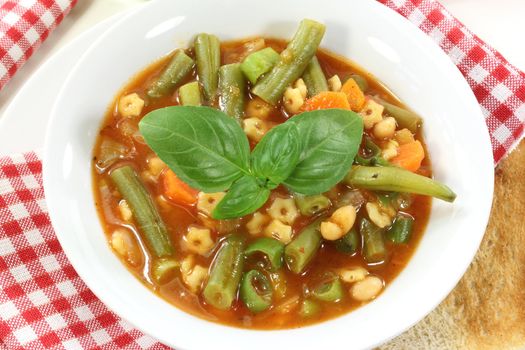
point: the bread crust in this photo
(486, 310)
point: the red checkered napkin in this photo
(24, 25)
(43, 302)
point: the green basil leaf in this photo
(205, 148)
(276, 155)
(244, 197)
(329, 141)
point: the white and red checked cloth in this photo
(43, 302)
(24, 25)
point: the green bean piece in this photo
(311, 205)
(271, 248)
(208, 56)
(292, 63)
(405, 118)
(360, 81)
(374, 249)
(163, 269)
(329, 291)
(225, 275)
(401, 230)
(148, 220)
(372, 156)
(388, 199)
(314, 78)
(259, 63)
(302, 249)
(348, 243)
(256, 291)
(397, 180)
(309, 308)
(179, 66)
(232, 87)
(190, 94)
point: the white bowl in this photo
(382, 42)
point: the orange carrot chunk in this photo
(356, 97)
(410, 156)
(326, 100)
(177, 190)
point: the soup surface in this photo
(345, 270)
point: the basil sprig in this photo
(309, 153)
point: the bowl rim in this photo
(87, 277)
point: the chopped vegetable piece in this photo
(258, 63)
(110, 151)
(179, 66)
(164, 268)
(371, 154)
(326, 100)
(271, 248)
(208, 57)
(225, 275)
(302, 249)
(232, 88)
(348, 243)
(311, 205)
(190, 94)
(292, 63)
(256, 291)
(409, 156)
(329, 291)
(279, 284)
(401, 230)
(177, 190)
(388, 199)
(374, 249)
(397, 180)
(405, 118)
(146, 215)
(309, 308)
(355, 96)
(360, 81)
(314, 78)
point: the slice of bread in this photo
(486, 310)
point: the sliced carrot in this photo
(409, 156)
(356, 97)
(326, 100)
(177, 190)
